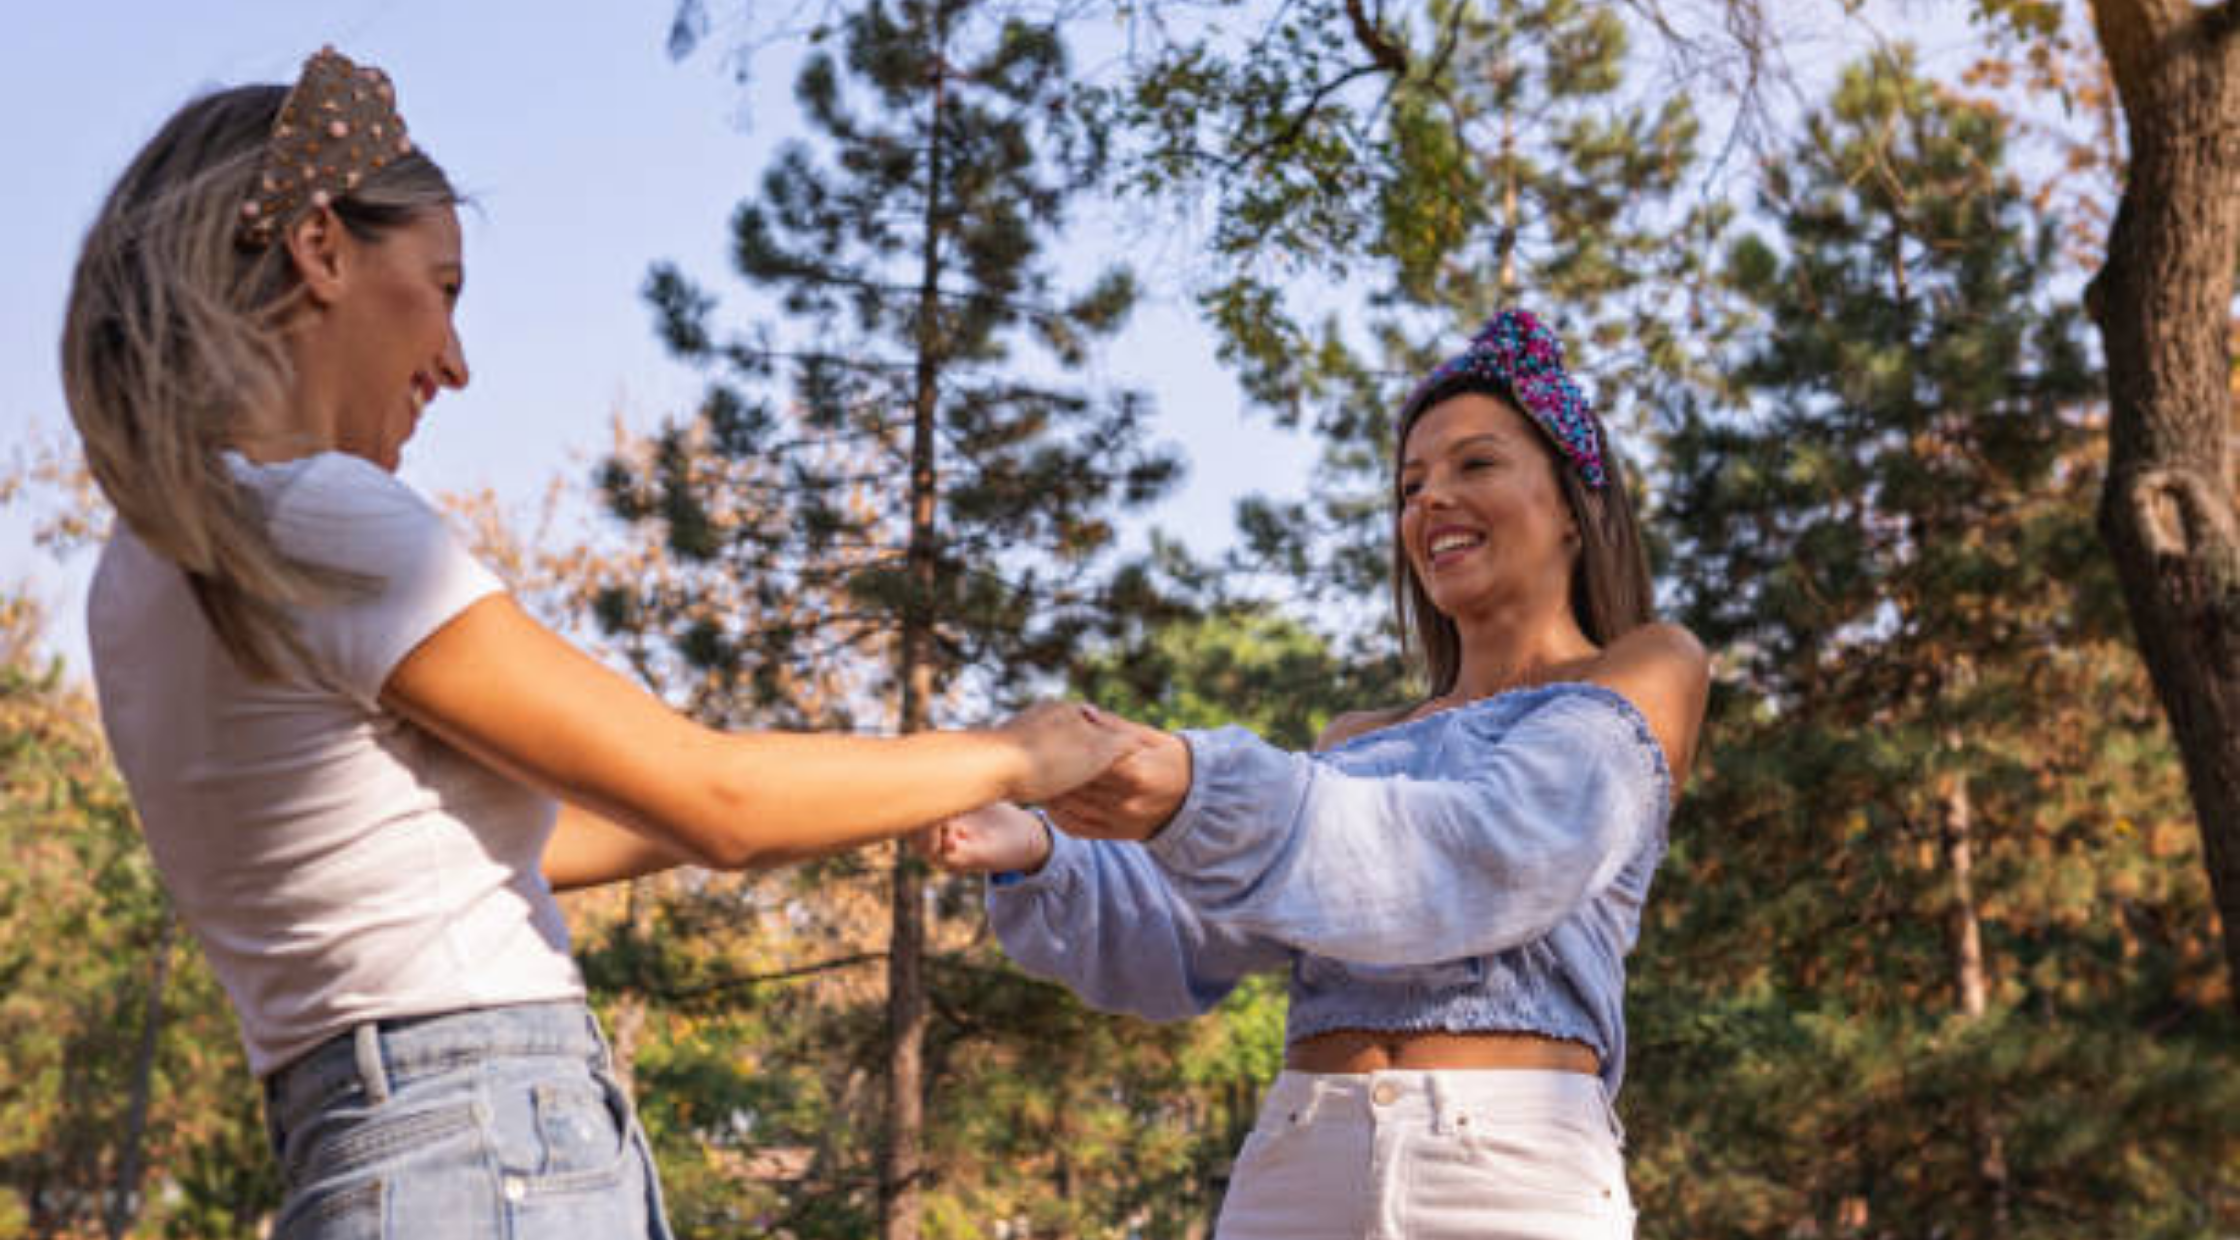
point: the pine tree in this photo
(934, 497)
(1506, 159)
(1933, 875)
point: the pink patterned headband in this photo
(338, 125)
(1519, 353)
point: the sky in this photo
(590, 154)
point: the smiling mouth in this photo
(1445, 548)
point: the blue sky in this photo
(590, 153)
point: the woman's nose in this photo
(452, 370)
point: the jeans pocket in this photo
(1555, 1165)
(562, 1133)
(345, 1210)
(579, 1126)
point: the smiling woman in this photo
(1452, 884)
(383, 345)
(361, 768)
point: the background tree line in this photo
(1937, 949)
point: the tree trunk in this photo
(628, 1026)
(124, 1195)
(901, 1176)
(1956, 820)
(2163, 302)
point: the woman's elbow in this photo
(713, 828)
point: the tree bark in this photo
(1956, 820)
(2163, 303)
(901, 1175)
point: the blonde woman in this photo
(361, 768)
(1453, 884)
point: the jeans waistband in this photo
(370, 1057)
(1447, 1099)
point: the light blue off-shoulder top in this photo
(1479, 869)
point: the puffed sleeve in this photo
(343, 513)
(1099, 919)
(1518, 830)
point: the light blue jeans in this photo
(496, 1124)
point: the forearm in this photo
(1097, 919)
(587, 851)
(751, 800)
(496, 685)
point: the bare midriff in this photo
(1361, 1050)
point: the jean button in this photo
(1385, 1094)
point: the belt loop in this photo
(1443, 1104)
(371, 1072)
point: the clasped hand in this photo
(1133, 797)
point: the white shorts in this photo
(1428, 1155)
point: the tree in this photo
(913, 262)
(1438, 163)
(1934, 863)
(2164, 305)
(123, 1057)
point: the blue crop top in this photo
(1479, 869)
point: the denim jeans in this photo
(494, 1123)
(1431, 1155)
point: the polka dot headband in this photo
(338, 125)
(1518, 352)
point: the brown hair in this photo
(172, 352)
(1610, 588)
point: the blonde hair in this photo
(1611, 591)
(172, 352)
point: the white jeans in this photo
(1524, 1155)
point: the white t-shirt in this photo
(338, 863)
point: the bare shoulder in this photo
(1352, 723)
(1666, 673)
(1659, 649)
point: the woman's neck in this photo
(1500, 653)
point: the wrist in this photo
(1013, 766)
(1046, 842)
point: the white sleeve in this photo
(341, 512)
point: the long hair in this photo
(172, 352)
(1610, 588)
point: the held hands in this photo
(1099, 776)
(1062, 745)
(1134, 797)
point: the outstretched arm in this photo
(1395, 870)
(503, 688)
(1098, 918)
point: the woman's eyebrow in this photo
(1499, 439)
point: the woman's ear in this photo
(318, 246)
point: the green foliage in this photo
(1242, 665)
(906, 249)
(1893, 548)
(1457, 159)
(83, 923)
(895, 502)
